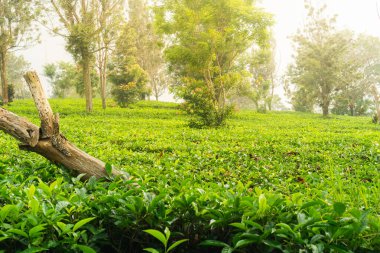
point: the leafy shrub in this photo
(130, 86)
(278, 182)
(201, 105)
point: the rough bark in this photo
(19, 128)
(47, 140)
(103, 80)
(72, 158)
(4, 81)
(352, 111)
(376, 98)
(325, 111)
(325, 105)
(87, 82)
(42, 104)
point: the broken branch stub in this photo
(44, 110)
(47, 140)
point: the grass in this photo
(297, 176)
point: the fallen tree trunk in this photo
(47, 140)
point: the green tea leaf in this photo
(44, 187)
(214, 243)
(316, 238)
(227, 250)
(5, 210)
(167, 233)
(339, 208)
(244, 243)
(34, 250)
(158, 235)
(85, 249)
(151, 250)
(240, 226)
(81, 223)
(108, 169)
(35, 231)
(273, 244)
(18, 232)
(32, 190)
(176, 244)
(262, 204)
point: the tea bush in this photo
(276, 182)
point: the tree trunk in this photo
(87, 81)
(325, 105)
(4, 81)
(325, 110)
(103, 81)
(269, 104)
(376, 98)
(155, 90)
(352, 110)
(47, 140)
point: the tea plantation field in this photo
(276, 182)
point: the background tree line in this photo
(211, 54)
(334, 70)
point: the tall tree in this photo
(81, 27)
(16, 30)
(111, 24)
(126, 74)
(366, 55)
(207, 38)
(262, 66)
(15, 75)
(66, 79)
(319, 65)
(361, 73)
(78, 19)
(148, 45)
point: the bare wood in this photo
(19, 128)
(42, 104)
(78, 161)
(57, 139)
(28, 134)
(47, 140)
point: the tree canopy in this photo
(320, 62)
(16, 30)
(206, 39)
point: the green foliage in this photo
(164, 239)
(275, 182)
(358, 106)
(200, 102)
(66, 79)
(17, 22)
(355, 96)
(148, 46)
(15, 75)
(206, 38)
(126, 74)
(11, 94)
(261, 64)
(17, 30)
(129, 86)
(86, 25)
(320, 62)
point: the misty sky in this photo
(360, 16)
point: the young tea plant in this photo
(164, 239)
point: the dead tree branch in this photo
(47, 140)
